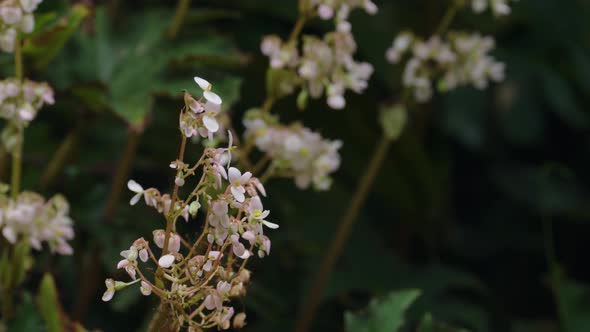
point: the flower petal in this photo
(210, 123)
(234, 174)
(202, 83)
(238, 195)
(135, 199)
(145, 288)
(166, 261)
(270, 224)
(212, 97)
(134, 186)
(108, 295)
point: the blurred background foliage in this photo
(477, 220)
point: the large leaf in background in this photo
(47, 42)
(550, 189)
(134, 64)
(573, 298)
(385, 315)
(429, 324)
(559, 94)
(26, 318)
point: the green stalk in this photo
(314, 294)
(181, 11)
(61, 156)
(90, 268)
(17, 154)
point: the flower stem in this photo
(447, 19)
(179, 16)
(161, 321)
(18, 59)
(17, 164)
(314, 294)
(267, 105)
(4, 160)
(89, 267)
(554, 269)
(297, 28)
(169, 218)
(18, 149)
(122, 174)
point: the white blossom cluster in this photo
(295, 151)
(16, 16)
(200, 278)
(324, 65)
(498, 7)
(19, 104)
(37, 221)
(462, 59)
(200, 117)
(338, 10)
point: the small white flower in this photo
(237, 181)
(137, 189)
(258, 213)
(145, 288)
(207, 93)
(110, 292)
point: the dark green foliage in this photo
(455, 213)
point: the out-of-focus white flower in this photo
(299, 152)
(30, 216)
(498, 7)
(462, 59)
(20, 104)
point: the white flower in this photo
(207, 93)
(145, 288)
(215, 299)
(166, 261)
(237, 181)
(257, 212)
(110, 292)
(209, 119)
(137, 189)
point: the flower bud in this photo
(240, 320)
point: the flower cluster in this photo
(462, 59)
(295, 151)
(197, 278)
(19, 104)
(498, 7)
(338, 9)
(32, 218)
(16, 16)
(200, 118)
(324, 64)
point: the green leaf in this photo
(386, 315)
(26, 318)
(429, 324)
(49, 304)
(44, 46)
(574, 302)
